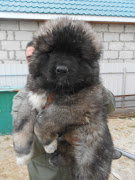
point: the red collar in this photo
(49, 99)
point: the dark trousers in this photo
(39, 167)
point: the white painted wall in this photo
(119, 77)
(13, 76)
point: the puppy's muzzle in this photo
(61, 70)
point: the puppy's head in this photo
(65, 58)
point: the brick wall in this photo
(118, 40)
(14, 35)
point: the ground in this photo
(123, 133)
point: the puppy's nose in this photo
(61, 70)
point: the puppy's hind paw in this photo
(51, 148)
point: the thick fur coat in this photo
(65, 66)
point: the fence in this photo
(119, 78)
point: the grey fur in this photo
(83, 114)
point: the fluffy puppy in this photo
(65, 64)
(64, 75)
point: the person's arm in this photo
(109, 101)
(16, 104)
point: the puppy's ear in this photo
(34, 65)
(90, 52)
(41, 44)
(33, 70)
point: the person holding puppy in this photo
(39, 167)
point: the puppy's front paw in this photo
(23, 159)
(51, 147)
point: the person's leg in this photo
(40, 169)
(65, 173)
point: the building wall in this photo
(117, 69)
(118, 41)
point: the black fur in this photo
(70, 47)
